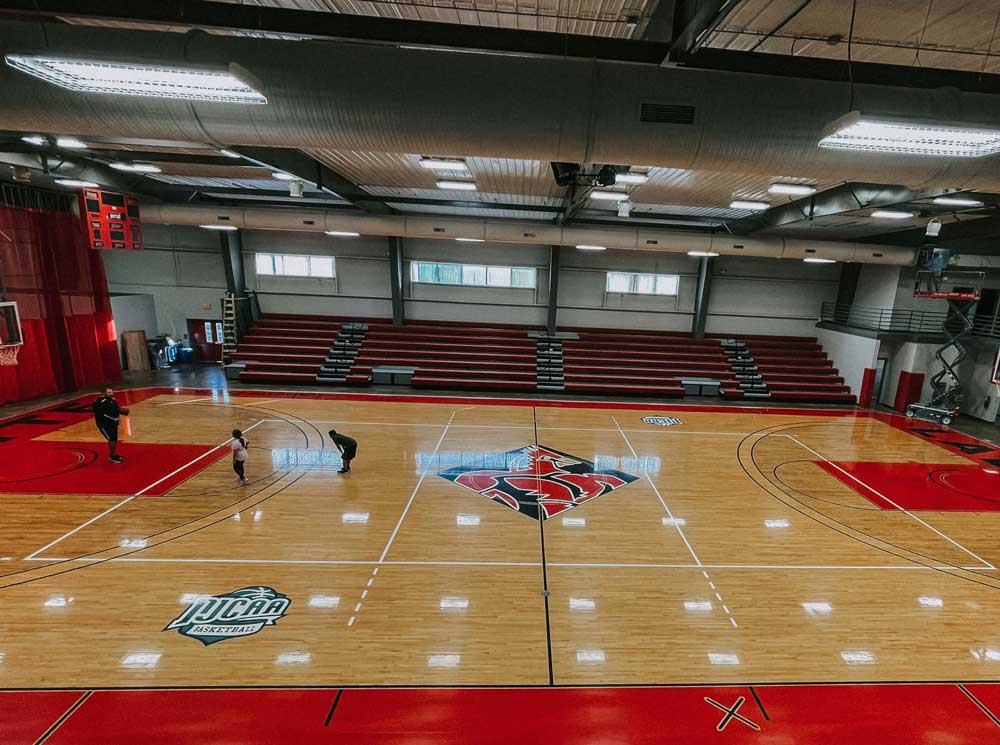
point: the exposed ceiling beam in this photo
(971, 229)
(660, 25)
(696, 19)
(345, 26)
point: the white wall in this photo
(850, 354)
(134, 313)
(877, 286)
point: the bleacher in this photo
(503, 357)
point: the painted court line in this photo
(986, 564)
(139, 493)
(186, 401)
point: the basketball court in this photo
(679, 546)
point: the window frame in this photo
(277, 262)
(483, 271)
(634, 278)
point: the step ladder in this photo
(230, 332)
(342, 353)
(550, 374)
(744, 369)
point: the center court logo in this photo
(662, 421)
(215, 618)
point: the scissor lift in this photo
(962, 290)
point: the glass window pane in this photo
(265, 264)
(645, 284)
(425, 272)
(321, 266)
(296, 266)
(666, 284)
(450, 274)
(208, 332)
(522, 277)
(218, 332)
(618, 282)
(499, 276)
(473, 274)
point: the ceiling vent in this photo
(665, 113)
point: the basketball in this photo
(124, 412)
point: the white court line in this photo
(986, 564)
(659, 496)
(660, 431)
(187, 401)
(139, 493)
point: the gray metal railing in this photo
(895, 321)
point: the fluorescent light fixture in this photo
(818, 260)
(466, 520)
(357, 518)
(703, 254)
(674, 521)
(141, 660)
(129, 79)
(891, 215)
(34, 140)
(858, 657)
(588, 247)
(454, 604)
(71, 143)
(795, 190)
(886, 134)
(219, 227)
(457, 185)
(444, 660)
(443, 164)
(582, 604)
(471, 240)
(136, 167)
(574, 522)
(631, 178)
(282, 176)
(723, 658)
(928, 602)
(608, 196)
(817, 609)
(746, 204)
(957, 202)
(73, 183)
(133, 543)
(590, 656)
(324, 601)
(293, 658)
(697, 606)
(343, 233)
(230, 154)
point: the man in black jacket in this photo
(106, 415)
(348, 448)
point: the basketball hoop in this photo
(8, 354)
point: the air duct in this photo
(339, 96)
(513, 231)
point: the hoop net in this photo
(8, 354)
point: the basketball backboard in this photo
(10, 324)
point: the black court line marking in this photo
(545, 570)
(333, 707)
(732, 712)
(977, 702)
(61, 720)
(760, 706)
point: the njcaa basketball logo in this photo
(215, 618)
(662, 421)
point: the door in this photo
(880, 366)
(206, 339)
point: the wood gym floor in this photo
(683, 546)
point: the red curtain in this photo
(62, 296)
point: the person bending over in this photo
(106, 415)
(348, 448)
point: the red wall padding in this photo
(908, 390)
(62, 296)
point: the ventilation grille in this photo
(665, 113)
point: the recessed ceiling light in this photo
(588, 247)
(92, 76)
(798, 190)
(703, 254)
(35, 140)
(343, 233)
(282, 176)
(230, 154)
(744, 204)
(608, 196)
(73, 183)
(631, 178)
(957, 202)
(136, 167)
(857, 131)
(219, 227)
(443, 164)
(71, 143)
(891, 215)
(457, 185)
(471, 240)
(818, 260)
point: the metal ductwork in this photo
(404, 100)
(513, 231)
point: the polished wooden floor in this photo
(734, 556)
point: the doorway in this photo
(206, 339)
(880, 367)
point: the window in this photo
(208, 332)
(643, 284)
(291, 265)
(218, 332)
(473, 275)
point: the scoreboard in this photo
(111, 220)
